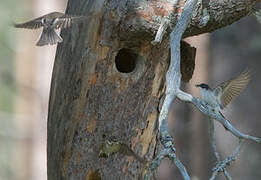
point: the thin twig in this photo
(212, 139)
(179, 164)
(165, 22)
(227, 175)
(214, 147)
(155, 163)
(161, 31)
(223, 164)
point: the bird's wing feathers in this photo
(37, 22)
(66, 21)
(232, 88)
(33, 24)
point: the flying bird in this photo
(219, 97)
(51, 22)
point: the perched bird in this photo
(223, 94)
(51, 22)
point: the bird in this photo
(219, 97)
(51, 22)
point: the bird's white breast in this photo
(209, 97)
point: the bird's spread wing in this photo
(37, 23)
(66, 21)
(33, 24)
(232, 88)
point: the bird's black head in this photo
(204, 86)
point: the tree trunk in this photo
(101, 92)
(107, 83)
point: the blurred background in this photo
(25, 75)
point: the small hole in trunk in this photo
(126, 60)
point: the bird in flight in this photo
(51, 22)
(219, 97)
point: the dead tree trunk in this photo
(107, 83)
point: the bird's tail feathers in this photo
(49, 36)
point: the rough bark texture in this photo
(91, 101)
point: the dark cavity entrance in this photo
(126, 60)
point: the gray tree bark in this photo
(108, 80)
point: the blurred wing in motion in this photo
(233, 87)
(33, 24)
(37, 22)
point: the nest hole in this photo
(126, 60)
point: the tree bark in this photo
(107, 83)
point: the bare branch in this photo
(155, 163)
(227, 175)
(172, 156)
(207, 110)
(165, 22)
(173, 78)
(161, 31)
(214, 147)
(212, 139)
(220, 167)
(180, 166)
